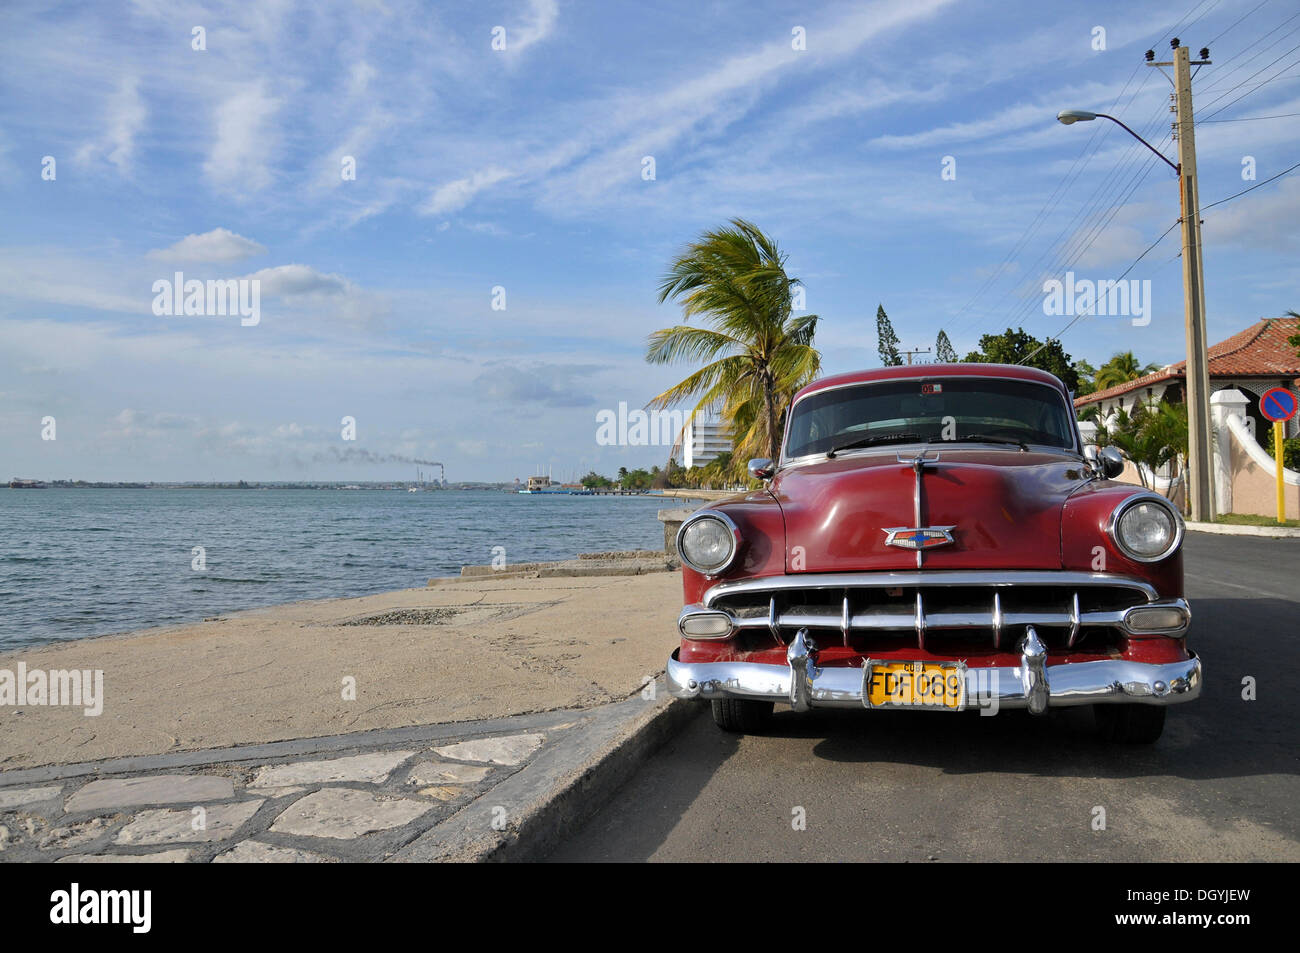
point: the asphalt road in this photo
(1220, 785)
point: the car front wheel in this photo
(741, 715)
(1130, 724)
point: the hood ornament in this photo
(918, 537)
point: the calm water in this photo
(76, 563)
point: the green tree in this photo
(1290, 450)
(1294, 340)
(1087, 385)
(944, 352)
(1154, 434)
(717, 472)
(1015, 347)
(757, 353)
(886, 339)
(1121, 369)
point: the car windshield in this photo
(924, 410)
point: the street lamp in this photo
(1200, 495)
(1069, 117)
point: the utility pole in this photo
(1200, 492)
(922, 350)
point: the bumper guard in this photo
(1034, 684)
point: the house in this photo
(1252, 361)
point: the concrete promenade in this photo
(433, 723)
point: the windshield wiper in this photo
(868, 441)
(983, 438)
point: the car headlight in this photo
(1146, 528)
(708, 542)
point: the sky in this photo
(481, 287)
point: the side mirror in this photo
(1112, 462)
(761, 468)
(1105, 460)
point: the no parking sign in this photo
(1277, 405)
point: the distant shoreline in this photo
(509, 488)
(257, 485)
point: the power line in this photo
(1235, 22)
(1253, 88)
(1222, 78)
(1147, 251)
(1093, 201)
(1079, 317)
(1251, 76)
(1249, 118)
(1053, 200)
(1253, 187)
(1090, 214)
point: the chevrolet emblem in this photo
(920, 537)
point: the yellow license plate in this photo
(938, 685)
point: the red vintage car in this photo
(936, 537)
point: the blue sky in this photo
(522, 169)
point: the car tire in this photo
(1130, 724)
(741, 715)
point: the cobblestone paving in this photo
(331, 806)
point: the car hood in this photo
(1004, 507)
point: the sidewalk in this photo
(489, 715)
(486, 790)
(460, 650)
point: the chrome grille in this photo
(988, 606)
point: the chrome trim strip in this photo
(1107, 681)
(997, 579)
(918, 465)
(920, 623)
(773, 621)
(845, 620)
(1075, 623)
(906, 621)
(997, 619)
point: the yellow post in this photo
(1277, 460)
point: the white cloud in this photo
(454, 196)
(220, 245)
(126, 114)
(537, 28)
(48, 276)
(1264, 220)
(290, 280)
(244, 140)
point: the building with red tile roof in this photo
(1252, 361)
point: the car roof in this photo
(922, 371)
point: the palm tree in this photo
(1121, 369)
(757, 353)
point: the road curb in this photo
(558, 791)
(1232, 529)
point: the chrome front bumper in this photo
(1034, 683)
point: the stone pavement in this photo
(463, 649)
(472, 791)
